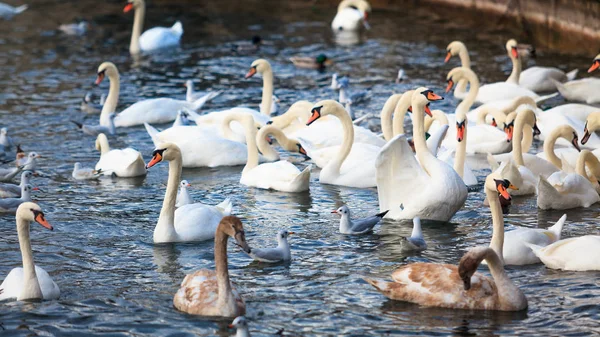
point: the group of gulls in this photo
(423, 178)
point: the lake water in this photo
(116, 282)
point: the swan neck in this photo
(421, 148)
(516, 70)
(549, 150)
(400, 112)
(267, 93)
(461, 150)
(263, 145)
(497, 241)
(104, 146)
(165, 228)
(509, 295)
(30, 287)
(517, 150)
(346, 146)
(386, 116)
(221, 269)
(110, 105)
(252, 162)
(467, 103)
(465, 61)
(589, 160)
(138, 25)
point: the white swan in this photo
(541, 79)
(591, 125)
(588, 165)
(584, 90)
(351, 15)
(458, 48)
(30, 282)
(281, 175)
(154, 110)
(123, 163)
(154, 38)
(183, 196)
(191, 222)
(288, 144)
(430, 190)
(577, 254)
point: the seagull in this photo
(356, 97)
(14, 191)
(241, 325)
(334, 82)
(27, 162)
(415, 242)
(5, 140)
(183, 197)
(358, 226)
(95, 130)
(274, 255)
(85, 173)
(10, 205)
(89, 107)
(75, 29)
(400, 76)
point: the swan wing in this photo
(197, 222)
(579, 253)
(159, 37)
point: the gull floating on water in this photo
(14, 191)
(241, 325)
(357, 226)
(89, 107)
(183, 197)
(415, 242)
(75, 29)
(10, 205)
(85, 173)
(95, 130)
(273, 255)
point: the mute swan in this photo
(281, 253)
(591, 125)
(85, 173)
(589, 161)
(387, 114)
(344, 168)
(564, 190)
(540, 79)
(241, 326)
(356, 226)
(280, 175)
(30, 282)
(7, 11)
(286, 143)
(415, 242)
(578, 254)
(351, 15)
(154, 110)
(154, 38)
(125, 163)
(584, 90)
(459, 48)
(210, 293)
(10, 205)
(183, 196)
(12, 190)
(460, 287)
(191, 222)
(430, 190)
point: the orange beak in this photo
(302, 151)
(509, 133)
(250, 73)
(39, 218)
(594, 66)
(450, 85)
(99, 78)
(514, 52)
(460, 131)
(503, 192)
(427, 111)
(448, 56)
(410, 108)
(433, 97)
(494, 122)
(315, 114)
(230, 326)
(128, 7)
(157, 158)
(334, 211)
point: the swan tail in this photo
(534, 248)
(558, 226)
(571, 75)
(178, 28)
(303, 178)
(561, 88)
(226, 206)
(21, 9)
(152, 132)
(202, 100)
(546, 194)
(381, 286)
(543, 99)
(492, 161)
(79, 125)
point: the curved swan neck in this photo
(110, 105)
(138, 25)
(421, 148)
(104, 146)
(267, 93)
(461, 149)
(386, 116)
(400, 112)
(247, 122)
(263, 145)
(549, 148)
(523, 118)
(31, 286)
(509, 295)
(165, 228)
(467, 103)
(348, 129)
(497, 241)
(516, 70)
(221, 269)
(589, 160)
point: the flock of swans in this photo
(428, 177)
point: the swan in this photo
(12, 190)
(154, 38)
(584, 90)
(592, 124)
(281, 253)
(210, 293)
(183, 196)
(351, 226)
(154, 110)
(11, 205)
(577, 254)
(458, 48)
(288, 144)
(191, 222)
(430, 190)
(541, 79)
(280, 175)
(7, 11)
(589, 161)
(30, 282)
(125, 163)
(564, 190)
(351, 15)
(345, 168)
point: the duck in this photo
(356, 226)
(154, 38)
(95, 130)
(123, 163)
(153, 110)
(424, 186)
(288, 144)
(319, 62)
(583, 90)
(461, 287)
(14, 191)
(7, 12)
(11, 205)
(344, 168)
(280, 175)
(183, 196)
(241, 326)
(351, 16)
(281, 253)
(415, 242)
(85, 173)
(210, 293)
(29, 282)
(188, 223)
(576, 254)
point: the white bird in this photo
(9, 174)
(281, 253)
(334, 82)
(5, 140)
(10, 205)
(124, 163)
(29, 282)
(356, 226)
(8, 11)
(12, 190)
(578, 254)
(76, 29)
(241, 325)
(154, 38)
(89, 107)
(583, 90)
(183, 118)
(400, 77)
(415, 242)
(183, 196)
(351, 15)
(85, 173)
(95, 130)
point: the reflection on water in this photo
(115, 281)
(347, 38)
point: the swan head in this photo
(106, 69)
(500, 184)
(232, 226)
(166, 151)
(258, 66)
(342, 211)
(595, 64)
(188, 84)
(469, 263)
(239, 323)
(323, 108)
(282, 235)
(184, 184)
(509, 125)
(457, 74)
(454, 49)
(30, 211)
(511, 48)
(422, 97)
(133, 4)
(592, 124)
(568, 133)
